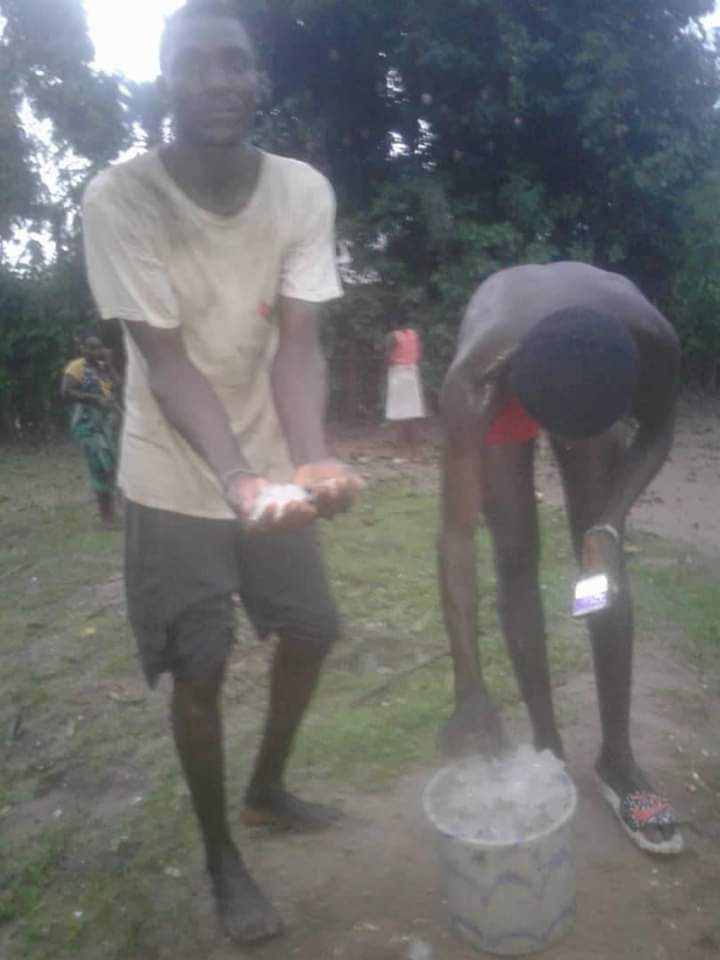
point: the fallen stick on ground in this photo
(12, 573)
(16, 726)
(397, 678)
(100, 610)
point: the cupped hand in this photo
(245, 495)
(332, 485)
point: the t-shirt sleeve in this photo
(310, 270)
(127, 277)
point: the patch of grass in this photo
(382, 559)
(97, 887)
(678, 587)
(114, 886)
(26, 874)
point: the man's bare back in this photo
(509, 304)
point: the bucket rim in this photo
(495, 844)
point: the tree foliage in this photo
(42, 312)
(60, 121)
(460, 137)
(46, 73)
(696, 281)
(483, 134)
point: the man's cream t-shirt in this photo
(153, 256)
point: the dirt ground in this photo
(371, 890)
(681, 505)
(374, 892)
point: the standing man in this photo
(215, 257)
(404, 403)
(571, 350)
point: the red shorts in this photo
(512, 425)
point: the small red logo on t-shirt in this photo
(265, 310)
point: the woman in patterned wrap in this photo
(89, 385)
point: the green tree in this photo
(46, 78)
(696, 288)
(461, 138)
(46, 69)
(479, 134)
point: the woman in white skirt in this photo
(405, 404)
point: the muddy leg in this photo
(245, 912)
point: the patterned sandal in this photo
(640, 810)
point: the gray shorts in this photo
(181, 573)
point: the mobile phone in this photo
(592, 595)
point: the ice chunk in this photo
(506, 799)
(275, 498)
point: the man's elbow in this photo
(455, 404)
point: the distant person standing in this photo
(404, 403)
(88, 385)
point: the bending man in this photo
(578, 353)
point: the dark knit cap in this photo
(576, 372)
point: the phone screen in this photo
(591, 596)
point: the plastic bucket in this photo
(508, 900)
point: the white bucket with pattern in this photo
(506, 899)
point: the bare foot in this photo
(283, 811)
(474, 727)
(246, 914)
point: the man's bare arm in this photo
(299, 381)
(299, 390)
(655, 414)
(192, 407)
(465, 419)
(475, 722)
(644, 460)
(457, 559)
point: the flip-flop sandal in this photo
(642, 809)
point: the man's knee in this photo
(311, 637)
(198, 694)
(516, 562)
(517, 578)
